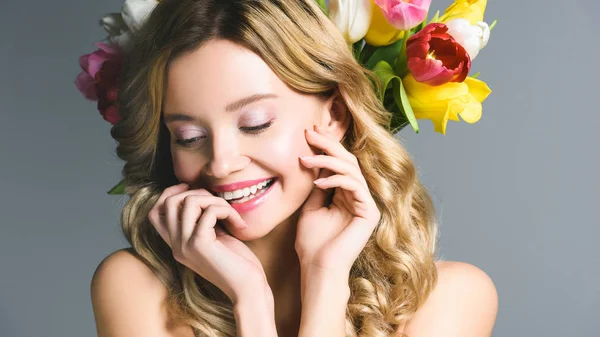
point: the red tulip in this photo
(435, 58)
(99, 80)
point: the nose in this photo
(226, 157)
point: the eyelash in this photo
(252, 130)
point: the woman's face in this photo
(224, 146)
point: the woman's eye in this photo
(254, 130)
(189, 142)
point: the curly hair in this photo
(395, 272)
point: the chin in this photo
(252, 233)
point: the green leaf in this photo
(323, 6)
(366, 53)
(399, 121)
(435, 18)
(476, 74)
(493, 25)
(386, 74)
(402, 100)
(385, 53)
(118, 188)
(401, 66)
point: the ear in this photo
(335, 117)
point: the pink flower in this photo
(99, 80)
(404, 14)
(435, 58)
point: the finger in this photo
(324, 132)
(193, 206)
(157, 214)
(318, 196)
(205, 231)
(330, 146)
(334, 164)
(347, 183)
(172, 211)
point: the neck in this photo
(278, 257)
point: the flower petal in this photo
(472, 10)
(85, 84)
(108, 48)
(478, 88)
(95, 63)
(430, 71)
(404, 15)
(135, 12)
(83, 61)
(471, 112)
(381, 32)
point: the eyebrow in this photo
(233, 106)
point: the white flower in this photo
(118, 32)
(121, 26)
(135, 12)
(351, 17)
(472, 37)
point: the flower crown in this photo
(423, 64)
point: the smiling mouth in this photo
(247, 193)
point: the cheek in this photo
(185, 167)
(285, 150)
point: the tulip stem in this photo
(400, 66)
(404, 43)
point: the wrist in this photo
(251, 292)
(324, 296)
(260, 294)
(255, 314)
(317, 283)
(317, 277)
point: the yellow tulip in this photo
(472, 10)
(447, 101)
(381, 32)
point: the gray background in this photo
(516, 193)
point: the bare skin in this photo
(284, 257)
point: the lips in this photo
(237, 185)
(255, 202)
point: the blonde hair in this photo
(395, 272)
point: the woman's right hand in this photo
(187, 221)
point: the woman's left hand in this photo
(331, 236)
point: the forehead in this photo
(217, 73)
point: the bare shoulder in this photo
(463, 303)
(128, 299)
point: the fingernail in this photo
(318, 181)
(305, 157)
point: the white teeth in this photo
(244, 192)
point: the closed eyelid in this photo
(186, 133)
(256, 118)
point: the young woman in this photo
(267, 195)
